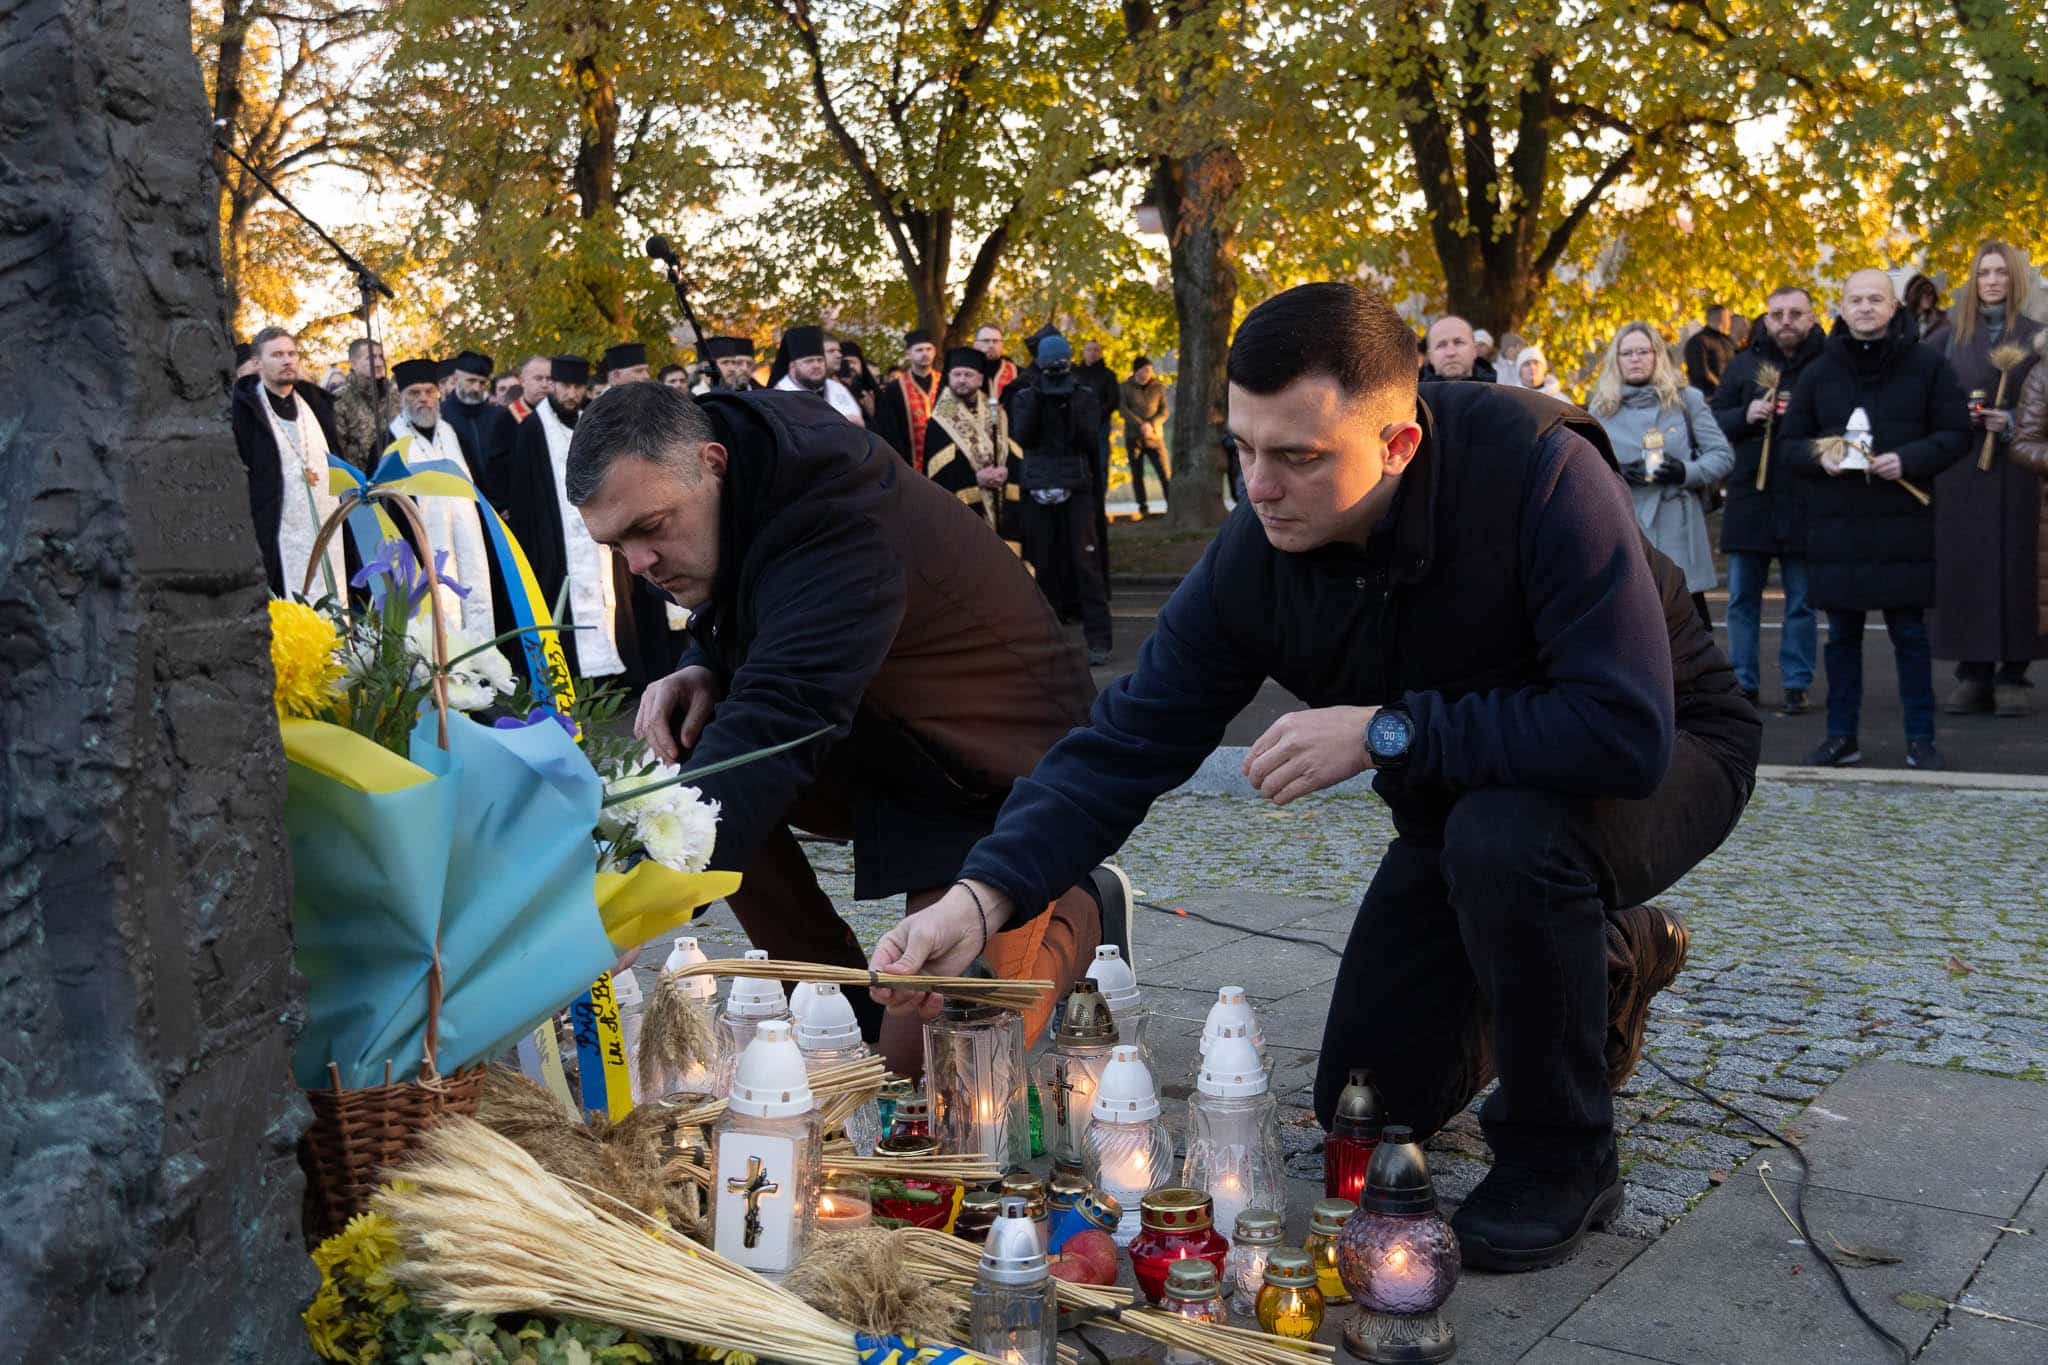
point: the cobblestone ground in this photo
(1836, 924)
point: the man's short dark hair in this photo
(651, 422)
(360, 344)
(268, 335)
(1346, 331)
(1785, 289)
(665, 371)
(1717, 310)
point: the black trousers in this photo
(1060, 543)
(1495, 918)
(1137, 452)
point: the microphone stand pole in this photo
(368, 285)
(675, 279)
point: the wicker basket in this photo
(357, 1135)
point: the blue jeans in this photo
(1797, 643)
(1913, 653)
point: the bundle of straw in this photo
(2006, 358)
(952, 1262)
(1009, 995)
(828, 1083)
(486, 1230)
(969, 1169)
(1768, 378)
(1829, 450)
(675, 1034)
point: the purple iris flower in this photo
(538, 715)
(395, 569)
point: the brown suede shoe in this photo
(2013, 700)
(1645, 948)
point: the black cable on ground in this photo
(1240, 928)
(1798, 1203)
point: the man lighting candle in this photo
(1454, 583)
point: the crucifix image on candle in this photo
(752, 1189)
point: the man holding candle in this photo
(1454, 582)
(832, 588)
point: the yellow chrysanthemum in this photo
(323, 1319)
(302, 653)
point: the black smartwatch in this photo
(1387, 737)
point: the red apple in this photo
(1090, 1257)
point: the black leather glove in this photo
(1633, 473)
(1671, 471)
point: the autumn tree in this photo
(284, 79)
(543, 143)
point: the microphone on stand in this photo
(658, 249)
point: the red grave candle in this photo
(1175, 1224)
(1354, 1133)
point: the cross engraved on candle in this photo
(754, 1187)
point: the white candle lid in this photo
(1114, 978)
(1126, 1093)
(771, 1082)
(756, 997)
(688, 954)
(1232, 1069)
(827, 1023)
(1231, 1007)
(800, 1000)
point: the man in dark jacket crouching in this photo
(832, 586)
(1454, 583)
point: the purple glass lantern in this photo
(1399, 1259)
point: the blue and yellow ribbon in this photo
(898, 1351)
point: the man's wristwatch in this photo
(1387, 737)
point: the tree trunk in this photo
(1196, 195)
(148, 1196)
(227, 116)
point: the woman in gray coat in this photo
(1640, 391)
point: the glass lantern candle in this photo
(1234, 1131)
(751, 1002)
(1071, 1068)
(894, 1090)
(1232, 1007)
(1325, 1224)
(916, 1202)
(1178, 1225)
(1253, 1239)
(845, 1203)
(974, 1074)
(1119, 986)
(1399, 1259)
(1029, 1188)
(828, 1034)
(1127, 1150)
(913, 1116)
(1194, 1292)
(704, 1075)
(979, 1210)
(764, 1161)
(1013, 1314)
(1290, 1302)
(1354, 1133)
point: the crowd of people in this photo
(1889, 458)
(1845, 450)
(1027, 447)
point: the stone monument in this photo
(148, 1196)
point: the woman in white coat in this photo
(1640, 392)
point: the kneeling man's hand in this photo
(1306, 751)
(694, 691)
(939, 940)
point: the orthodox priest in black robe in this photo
(734, 357)
(969, 452)
(486, 430)
(905, 405)
(627, 641)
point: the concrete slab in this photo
(1301, 965)
(1950, 1139)
(1551, 1351)
(1732, 1285)
(1500, 1317)
(2012, 1282)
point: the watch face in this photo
(1389, 733)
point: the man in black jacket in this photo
(1454, 582)
(1765, 516)
(1870, 534)
(1452, 351)
(834, 588)
(1054, 421)
(1708, 351)
(487, 430)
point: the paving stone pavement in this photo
(1836, 925)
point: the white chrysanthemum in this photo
(680, 831)
(473, 684)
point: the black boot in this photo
(1520, 1218)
